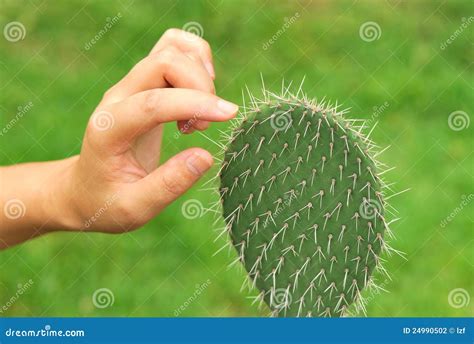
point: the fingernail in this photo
(198, 164)
(210, 69)
(227, 108)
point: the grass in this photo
(157, 269)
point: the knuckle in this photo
(141, 64)
(115, 93)
(110, 93)
(206, 46)
(171, 32)
(203, 46)
(167, 56)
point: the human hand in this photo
(114, 185)
(118, 165)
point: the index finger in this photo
(187, 42)
(145, 110)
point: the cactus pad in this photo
(303, 204)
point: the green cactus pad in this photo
(303, 205)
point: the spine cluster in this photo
(304, 205)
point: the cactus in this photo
(304, 205)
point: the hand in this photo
(114, 185)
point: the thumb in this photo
(173, 178)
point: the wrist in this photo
(58, 206)
(35, 200)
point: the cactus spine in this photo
(304, 205)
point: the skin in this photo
(117, 173)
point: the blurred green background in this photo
(408, 77)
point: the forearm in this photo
(34, 198)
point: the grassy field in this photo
(414, 73)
